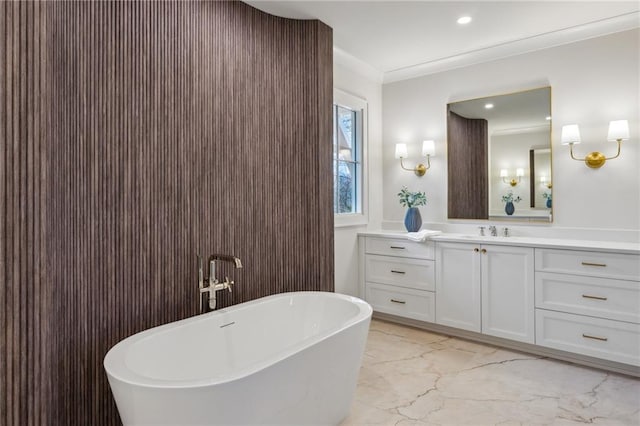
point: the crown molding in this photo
(356, 65)
(568, 35)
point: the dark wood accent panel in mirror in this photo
(467, 165)
(513, 161)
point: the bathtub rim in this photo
(116, 356)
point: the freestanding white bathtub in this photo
(291, 358)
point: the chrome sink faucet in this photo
(494, 231)
(213, 284)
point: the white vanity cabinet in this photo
(486, 288)
(588, 302)
(573, 300)
(458, 285)
(399, 277)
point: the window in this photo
(349, 148)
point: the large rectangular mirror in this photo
(499, 157)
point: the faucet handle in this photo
(228, 283)
(200, 272)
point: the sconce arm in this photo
(618, 153)
(571, 152)
(403, 167)
(419, 170)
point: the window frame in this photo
(360, 106)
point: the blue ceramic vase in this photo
(509, 208)
(413, 220)
(549, 203)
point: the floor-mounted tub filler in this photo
(290, 358)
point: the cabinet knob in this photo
(483, 251)
(476, 249)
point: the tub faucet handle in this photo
(200, 272)
(228, 283)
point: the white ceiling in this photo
(403, 39)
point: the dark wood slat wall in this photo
(24, 295)
(468, 184)
(134, 135)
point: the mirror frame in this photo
(455, 168)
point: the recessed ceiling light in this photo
(464, 20)
(548, 118)
(488, 106)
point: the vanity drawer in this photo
(589, 263)
(400, 248)
(404, 302)
(413, 273)
(598, 297)
(601, 338)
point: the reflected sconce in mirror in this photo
(618, 132)
(544, 182)
(428, 150)
(504, 174)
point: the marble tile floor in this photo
(415, 377)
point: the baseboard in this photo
(601, 364)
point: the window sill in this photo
(345, 220)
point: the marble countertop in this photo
(605, 246)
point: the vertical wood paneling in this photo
(135, 135)
(23, 298)
(468, 185)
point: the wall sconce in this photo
(543, 181)
(618, 132)
(428, 150)
(504, 174)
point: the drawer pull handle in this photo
(398, 301)
(398, 272)
(602, 339)
(484, 251)
(602, 265)
(398, 247)
(588, 296)
(476, 249)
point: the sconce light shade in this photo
(504, 173)
(428, 148)
(570, 134)
(519, 172)
(618, 131)
(401, 150)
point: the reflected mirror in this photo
(499, 157)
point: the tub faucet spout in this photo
(213, 284)
(237, 263)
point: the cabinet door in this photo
(458, 285)
(508, 306)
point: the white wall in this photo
(346, 238)
(592, 82)
(511, 152)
